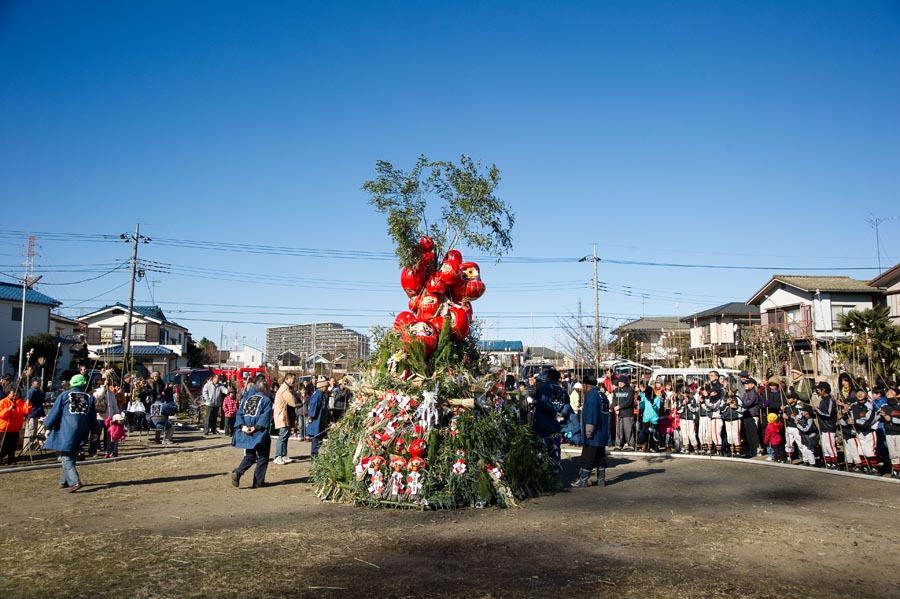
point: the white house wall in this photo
(37, 320)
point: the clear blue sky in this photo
(721, 133)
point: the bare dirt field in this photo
(173, 526)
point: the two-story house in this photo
(889, 282)
(808, 308)
(716, 333)
(37, 319)
(157, 344)
(659, 338)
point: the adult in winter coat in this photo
(12, 416)
(252, 432)
(551, 410)
(890, 417)
(826, 416)
(623, 400)
(649, 409)
(750, 404)
(69, 423)
(316, 411)
(284, 399)
(36, 399)
(595, 432)
(212, 393)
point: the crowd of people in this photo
(855, 429)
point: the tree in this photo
(874, 340)
(627, 347)
(43, 346)
(466, 211)
(194, 355)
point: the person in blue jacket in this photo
(551, 410)
(595, 430)
(251, 433)
(316, 425)
(69, 423)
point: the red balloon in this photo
(403, 320)
(412, 280)
(428, 306)
(418, 448)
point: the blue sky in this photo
(713, 133)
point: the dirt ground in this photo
(173, 526)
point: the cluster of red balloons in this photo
(438, 295)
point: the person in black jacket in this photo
(890, 417)
(826, 415)
(623, 406)
(750, 404)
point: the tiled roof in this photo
(812, 283)
(499, 345)
(154, 312)
(729, 309)
(654, 323)
(887, 278)
(13, 292)
(136, 350)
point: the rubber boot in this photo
(583, 478)
(601, 477)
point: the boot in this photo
(582, 480)
(601, 477)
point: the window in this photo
(17, 313)
(139, 331)
(838, 310)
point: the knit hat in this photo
(120, 417)
(78, 381)
(771, 418)
(775, 380)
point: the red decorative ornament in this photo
(438, 322)
(428, 306)
(427, 244)
(414, 303)
(418, 448)
(403, 320)
(459, 322)
(426, 263)
(453, 256)
(423, 331)
(412, 280)
(449, 272)
(436, 284)
(470, 287)
(400, 445)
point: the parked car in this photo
(191, 378)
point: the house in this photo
(249, 356)
(808, 308)
(716, 333)
(37, 319)
(69, 334)
(889, 282)
(536, 354)
(502, 353)
(157, 344)
(659, 338)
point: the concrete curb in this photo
(81, 464)
(682, 456)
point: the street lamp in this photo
(27, 283)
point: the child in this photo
(667, 429)
(115, 426)
(774, 438)
(229, 409)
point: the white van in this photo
(689, 376)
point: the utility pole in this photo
(27, 282)
(134, 239)
(595, 260)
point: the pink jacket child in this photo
(115, 425)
